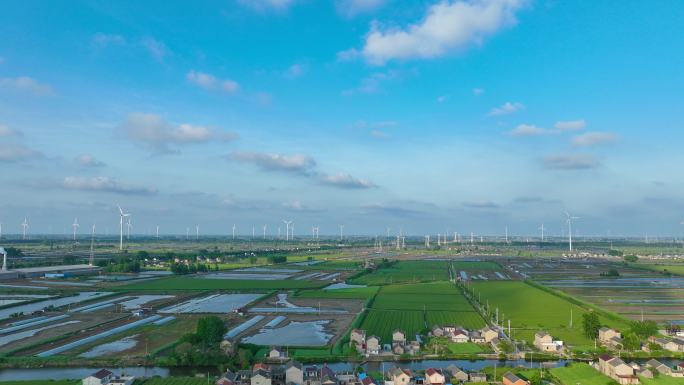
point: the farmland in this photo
(354, 293)
(580, 373)
(531, 309)
(175, 381)
(417, 307)
(191, 283)
(406, 272)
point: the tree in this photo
(644, 329)
(591, 324)
(631, 258)
(631, 341)
(210, 330)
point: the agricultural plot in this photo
(174, 381)
(580, 373)
(414, 308)
(193, 283)
(406, 272)
(215, 303)
(354, 293)
(531, 309)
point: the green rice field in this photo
(531, 309)
(355, 293)
(406, 272)
(580, 373)
(414, 308)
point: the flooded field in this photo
(117, 346)
(216, 303)
(141, 300)
(249, 276)
(311, 333)
(58, 302)
(282, 305)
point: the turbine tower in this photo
(25, 227)
(129, 226)
(157, 231)
(75, 226)
(287, 229)
(568, 220)
(4, 259)
(121, 223)
(197, 232)
(91, 260)
(233, 231)
(542, 232)
(341, 232)
(264, 232)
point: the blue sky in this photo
(432, 116)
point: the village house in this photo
(459, 336)
(277, 353)
(398, 337)
(105, 377)
(434, 377)
(489, 334)
(437, 331)
(260, 377)
(456, 374)
(545, 343)
(228, 378)
(294, 374)
(476, 337)
(358, 337)
(368, 380)
(610, 337)
(511, 379)
(617, 369)
(477, 377)
(373, 345)
(398, 376)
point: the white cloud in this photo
(345, 181)
(104, 184)
(351, 8)
(105, 39)
(265, 5)
(87, 160)
(294, 71)
(506, 109)
(155, 47)
(571, 162)
(571, 125)
(298, 163)
(153, 130)
(17, 152)
(372, 84)
(530, 130)
(379, 134)
(593, 139)
(478, 91)
(27, 85)
(447, 26)
(6, 131)
(210, 82)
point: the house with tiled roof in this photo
(511, 379)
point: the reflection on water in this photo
(293, 334)
(125, 343)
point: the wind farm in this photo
(346, 192)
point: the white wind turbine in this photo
(233, 230)
(75, 226)
(542, 232)
(264, 231)
(341, 232)
(25, 227)
(287, 229)
(129, 226)
(121, 223)
(569, 222)
(197, 232)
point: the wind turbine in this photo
(75, 225)
(197, 232)
(542, 231)
(233, 231)
(341, 232)
(129, 226)
(25, 227)
(287, 229)
(264, 231)
(157, 231)
(506, 234)
(569, 222)
(121, 222)
(91, 261)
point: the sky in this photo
(426, 116)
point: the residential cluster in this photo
(373, 346)
(545, 343)
(294, 373)
(105, 377)
(629, 373)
